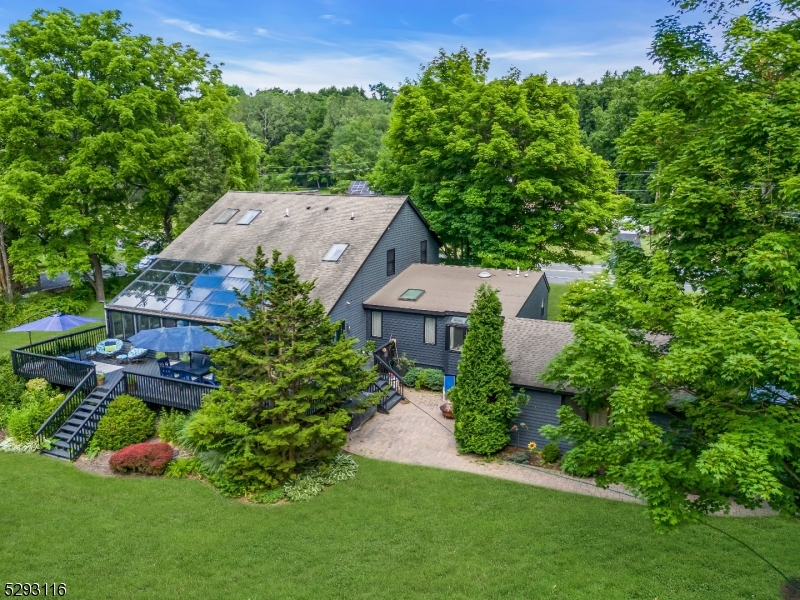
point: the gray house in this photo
(351, 245)
(425, 308)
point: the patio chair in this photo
(166, 372)
(210, 379)
(183, 375)
(163, 362)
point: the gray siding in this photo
(404, 234)
(407, 329)
(532, 309)
(540, 410)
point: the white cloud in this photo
(538, 54)
(334, 20)
(200, 30)
(461, 20)
(314, 72)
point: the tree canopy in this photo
(96, 126)
(497, 167)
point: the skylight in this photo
(335, 253)
(411, 295)
(226, 216)
(248, 217)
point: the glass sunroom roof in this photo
(187, 288)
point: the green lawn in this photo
(554, 300)
(9, 341)
(395, 531)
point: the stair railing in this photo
(73, 400)
(77, 442)
(392, 376)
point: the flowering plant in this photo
(531, 446)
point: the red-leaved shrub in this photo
(150, 459)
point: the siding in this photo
(532, 309)
(407, 329)
(540, 410)
(404, 234)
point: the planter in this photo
(101, 379)
(447, 410)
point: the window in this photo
(390, 262)
(335, 253)
(248, 217)
(430, 331)
(455, 338)
(423, 251)
(226, 216)
(411, 295)
(542, 311)
(121, 324)
(377, 324)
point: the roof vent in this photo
(308, 208)
(327, 207)
(352, 215)
(484, 274)
(287, 213)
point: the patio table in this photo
(109, 347)
(196, 371)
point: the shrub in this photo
(11, 385)
(127, 421)
(150, 459)
(551, 453)
(312, 482)
(268, 497)
(170, 425)
(412, 375)
(432, 379)
(184, 467)
(34, 306)
(37, 402)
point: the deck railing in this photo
(59, 371)
(67, 344)
(185, 395)
(68, 406)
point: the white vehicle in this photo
(146, 262)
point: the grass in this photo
(9, 341)
(557, 290)
(395, 531)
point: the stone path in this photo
(417, 434)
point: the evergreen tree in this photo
(283, 380)
(483, 405)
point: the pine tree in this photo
(282, 383)
(483, 404)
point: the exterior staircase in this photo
(72, 436)
(392, 397)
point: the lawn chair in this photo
(166, 372)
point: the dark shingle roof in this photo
(530, 346)
(307, 233)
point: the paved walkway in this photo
(416, 433)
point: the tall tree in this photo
(497, 167)
(483, 401)
(95, 125)
(720, 132)
(283, 381)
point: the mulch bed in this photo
(514, 454)
(790, 592)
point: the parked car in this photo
(146, 262)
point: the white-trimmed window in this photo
(430, 331)
(455, 338)
(376, 324)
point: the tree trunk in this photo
(5, 269)
(97, 278)
(168, 213)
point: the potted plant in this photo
(101, 379)
(447, 410)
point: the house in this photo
(425, 307)
(351, 245)
(374, 261)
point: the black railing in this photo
(58, 371)
(176, 393)
(77, 442)
(68, 344)
(68, 406)
(392, 376)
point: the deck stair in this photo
(392, 397)
(71, 438)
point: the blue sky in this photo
(310, 44)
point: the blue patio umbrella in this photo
(56, 322)
(176, 339)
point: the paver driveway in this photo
(416, 433)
